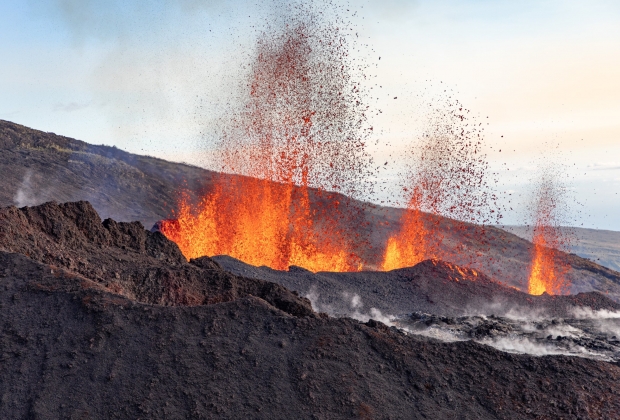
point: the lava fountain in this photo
(548, 269)
(447, 177)
(409, 246)
(296, 144)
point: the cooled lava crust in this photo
(106, 320)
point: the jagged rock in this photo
(127, 259)
(105, 320)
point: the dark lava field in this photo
(100, 317)
(107, 320)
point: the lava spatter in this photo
(296, 136)
(548, 269)
(447, 177)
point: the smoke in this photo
(585, 333)
(319, 306)
(28, 193)
(591, 334)
(524, 345)
(350, 305)
(159, 70)
(607, 322)
(122, 19)
(589, 313)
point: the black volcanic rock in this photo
(431, 286)
(106, 320)
(127, 259)
(72, 349)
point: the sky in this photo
(152, 77)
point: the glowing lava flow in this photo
(259, 222)
(447, 178)
(298, 131)
(542, 275)
(409, 246)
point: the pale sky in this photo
(150, 77)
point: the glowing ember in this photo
(447, 178)
(298, 133)
(548, 270)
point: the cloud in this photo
(392, 10)
(113, 19)
(604, 166)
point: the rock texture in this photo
(126, 259)
(170, 339)
(431, 286)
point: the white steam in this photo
(515, 329)
(350, 306)
(28, 194)
(589, 313)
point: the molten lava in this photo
(548, 270)
(259, 222)
(299, 131)
(447, 178)
(409, 246)
(543, 276)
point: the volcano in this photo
(117, 312)
(39, 167)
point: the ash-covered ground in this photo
(450, 303)
(101, 319)
(107, 320)
(589, 334)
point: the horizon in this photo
(150, 80)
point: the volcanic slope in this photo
(451, 303)
(602, 246)
(154, 336)
(431, 286)
(37, 167)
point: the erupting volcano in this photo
(447, 177)
(292, 160)
(548, 270)
(299, 132)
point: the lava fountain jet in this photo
(447, 178)
(409, 246)
(296, 142)
(548, 270)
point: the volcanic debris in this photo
(107, 320)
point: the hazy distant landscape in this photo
(600, 246)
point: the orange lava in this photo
(542, 275)
(297, 131)
(447, 178)
(409, 246)
(548, 270)
(259, 222)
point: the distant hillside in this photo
(600, 246)
(37, 167)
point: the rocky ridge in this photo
(154, 336)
